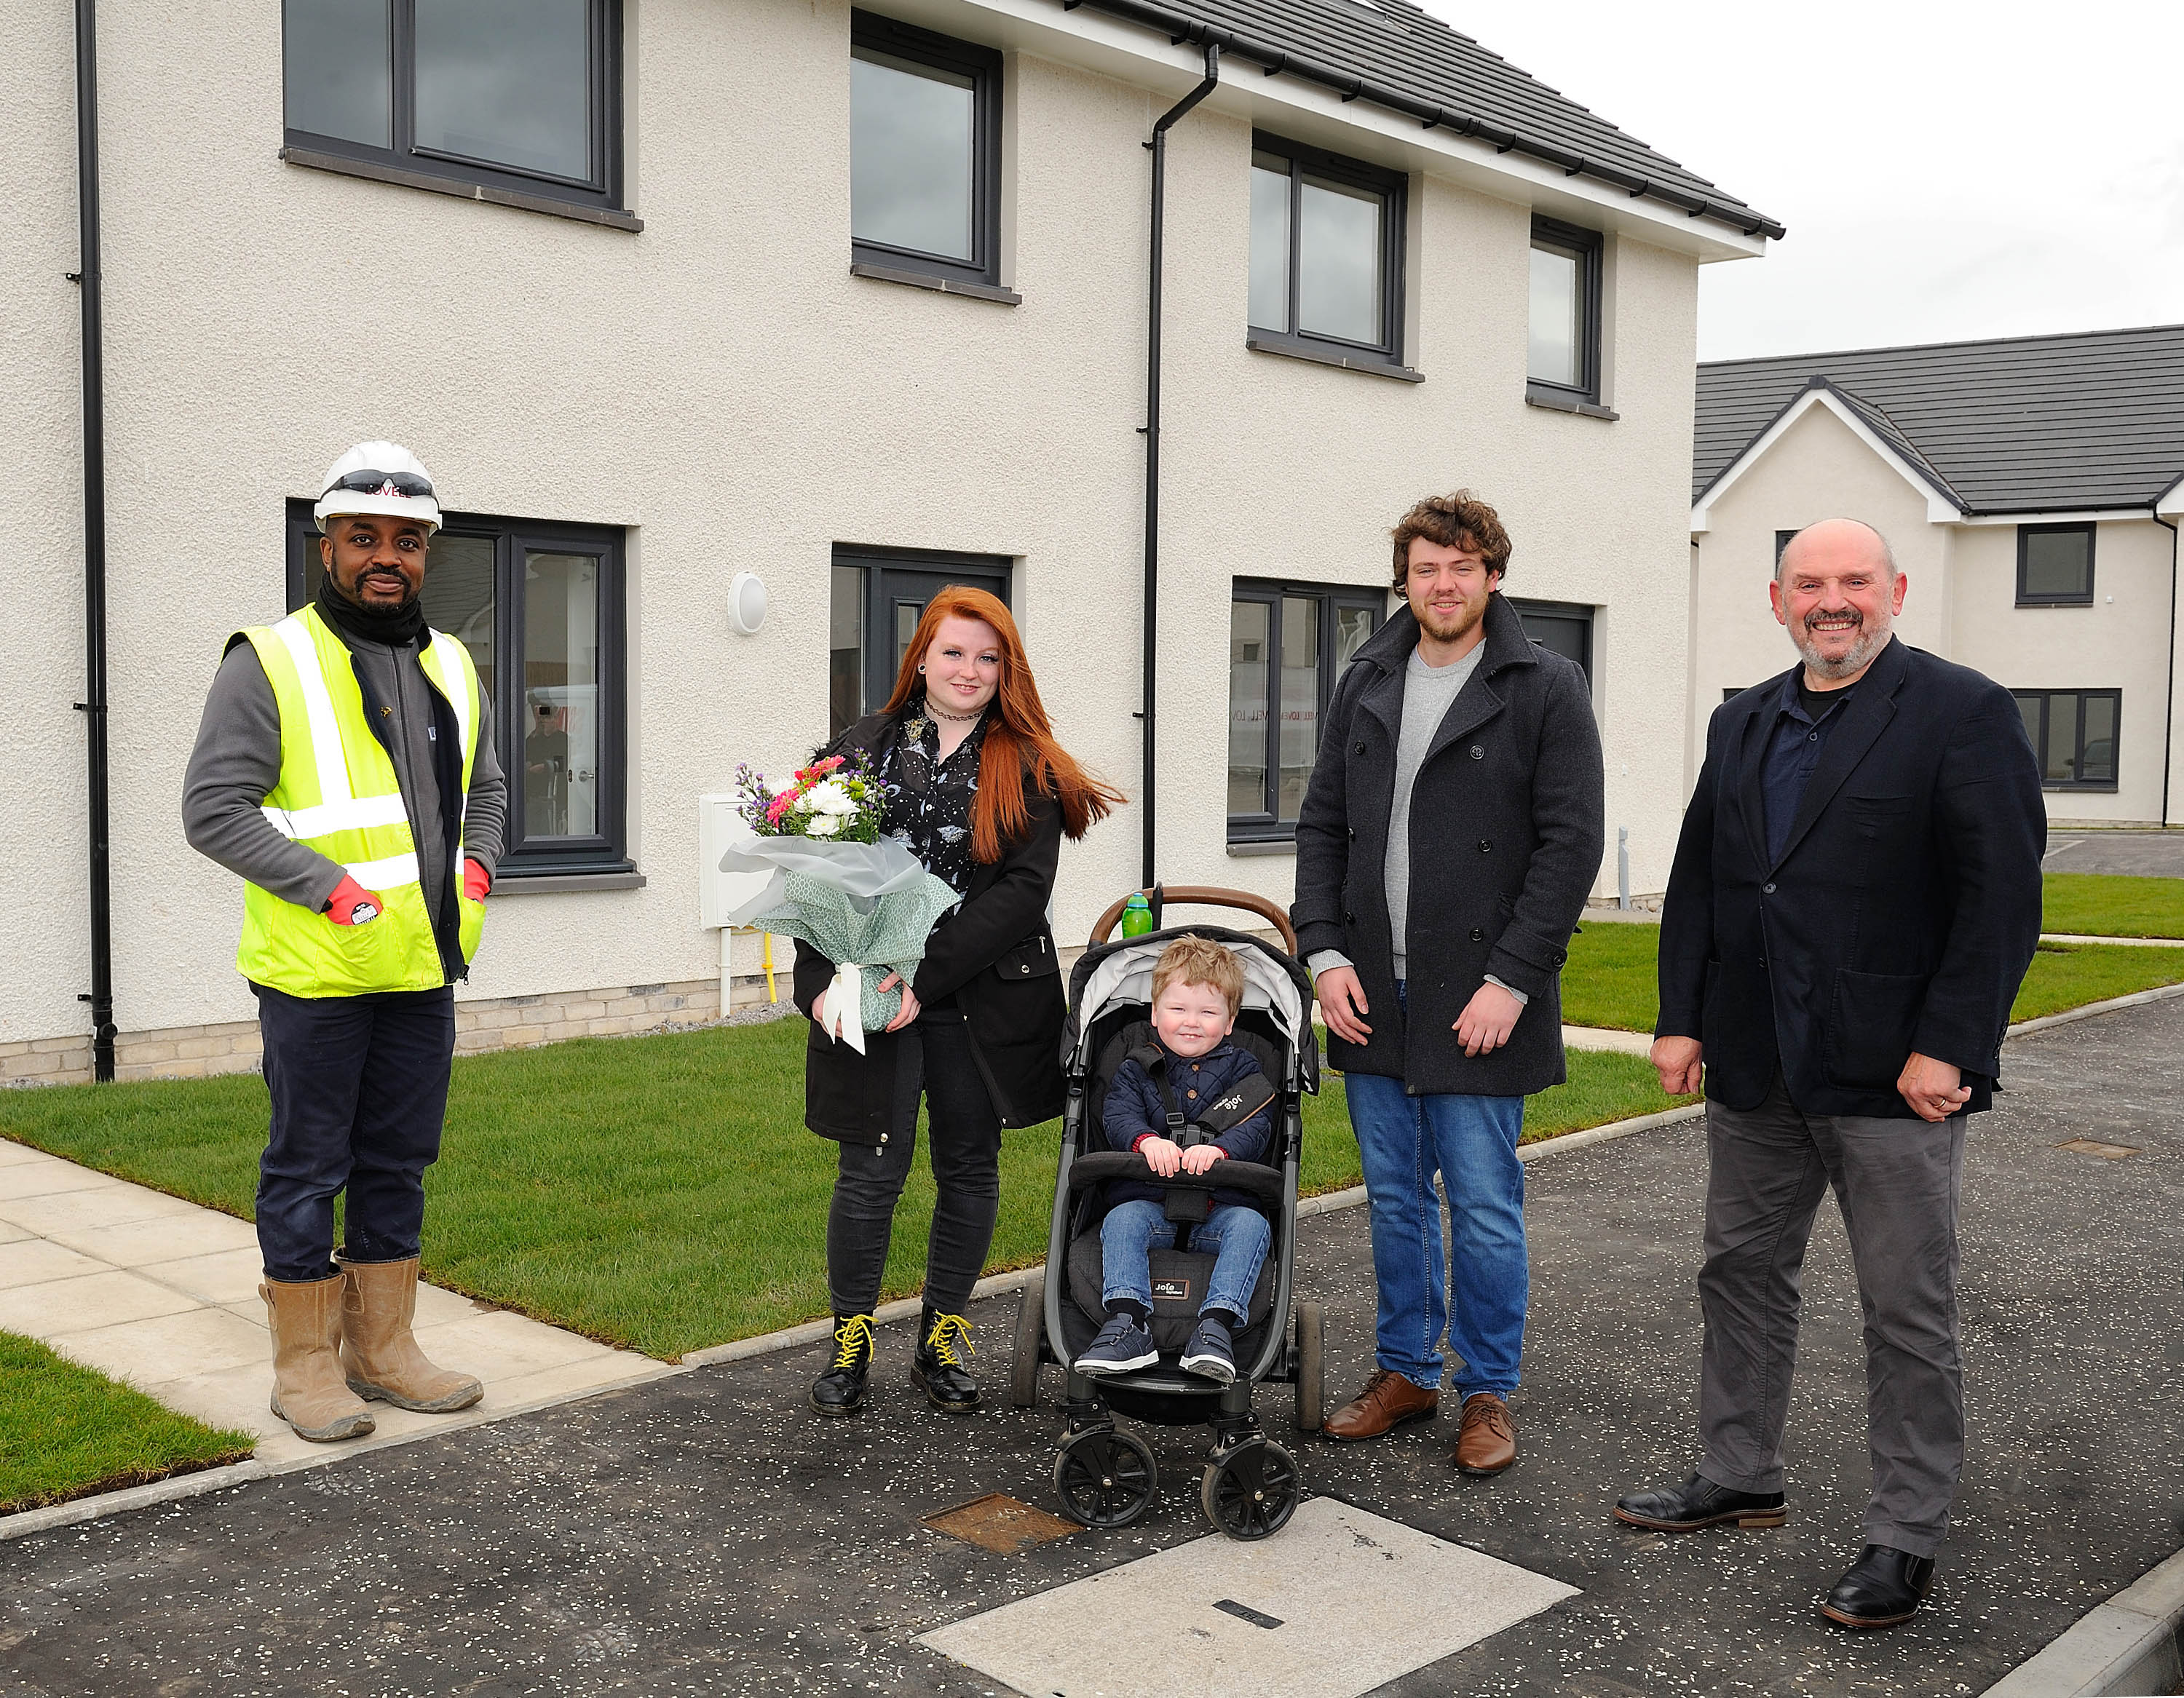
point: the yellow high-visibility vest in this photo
(338, 795)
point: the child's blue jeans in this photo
(1236, 1237)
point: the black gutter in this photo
(1152, 429)
(2169, 719)
(1351, 86)
(93, 706)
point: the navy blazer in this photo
(1901, 915)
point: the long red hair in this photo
(1020, 755)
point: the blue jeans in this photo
(1471, 1143)
(1236, 1237)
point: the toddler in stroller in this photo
(1217, 1288)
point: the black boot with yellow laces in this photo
(942, 1365)
(841, 1389)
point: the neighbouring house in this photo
(2030, 488)
(684, 301)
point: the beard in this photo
(353, 595)
(1456, 626)
(1872, 637)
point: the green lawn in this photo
(2100, 905)
(655, 1192)
(66, 1432)
(1610, 978)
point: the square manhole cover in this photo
(2093, 1146)
(998, 1522)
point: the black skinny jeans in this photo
(935, 1062)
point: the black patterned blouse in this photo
(929, 803)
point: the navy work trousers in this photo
(359, 1089)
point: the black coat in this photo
(1506, 837)
(1900, 915)
(994, 954)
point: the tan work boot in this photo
(379, 1353)
(308, 1393)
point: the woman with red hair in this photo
(983, 795)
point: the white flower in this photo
(828, 797)
(824, 825)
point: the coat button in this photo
(1359, 749)
(1349, 919)
(1485, 847)
(1191, 1093)
(1766, 890)
(1477, 753)
(1477, 935)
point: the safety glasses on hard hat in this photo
(383, 483)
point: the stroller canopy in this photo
(1121, 971)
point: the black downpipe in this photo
(93, 706)
(2168, 718)
(1152, 616)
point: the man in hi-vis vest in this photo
(345, 769)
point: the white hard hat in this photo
(378, 478)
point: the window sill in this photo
(1264, 846)
(552, 883)
(1555, 403)
(2059, 601)
(932, 280)
(378, 173)
(1260, 342)
(2081, 789)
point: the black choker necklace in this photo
(958, 719)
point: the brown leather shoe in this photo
(1486, 1443)
(1386, 1403)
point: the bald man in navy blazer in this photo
(1854, 901)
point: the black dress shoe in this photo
(841, 1389)
(1882, 1588)
(942, 1365)
(1699, 1503)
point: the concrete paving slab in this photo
(227, 1277)
(1329, 1607)
(167, 1236)
(33, 1261)
(147, 1352)
(501, 1345)
(109, 1205)
(44, 1178)
(1606, 1037)
(12, 1233)
(87, 1301)
(13, 1154)
(2141, 854)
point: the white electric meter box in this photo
(721, 827)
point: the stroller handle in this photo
(1198, 896)
(1103, 1165)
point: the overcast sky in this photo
(1948, 168)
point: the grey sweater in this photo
(236, 762)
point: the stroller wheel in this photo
(1105, 1478)
(1252, 1490)
(1031, 1328)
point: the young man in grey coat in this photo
(1451, 834)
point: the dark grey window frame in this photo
(2046, 698)
(984, 67)
(1578, 612)
(2085, 528)
(1782, 540)
(598, 198)
(606, 850)
(881, 565)
(1266, 826)
(1588, 245)
(1384, 357)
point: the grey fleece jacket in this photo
(236, 762)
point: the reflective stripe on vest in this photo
(338, 792)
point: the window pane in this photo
(845, 650)
(561, 694)
(1339, 245)
(1300, 700)
(507, 82)
(2029, 706)
(2099, 765)
(1352, 625)
(2060, 762)
(2058, 564)
(1248, 623)
(336, 69)
(458, 596)
(1270, 242)
(1556, 337)
(911, 131)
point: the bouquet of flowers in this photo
(862, 900)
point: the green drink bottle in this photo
(1137, 916)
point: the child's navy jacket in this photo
(1135, 1111)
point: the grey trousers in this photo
(1897, 1182)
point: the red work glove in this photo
(477, 881)
(351, 904)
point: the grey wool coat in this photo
(1506, 837)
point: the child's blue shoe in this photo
(1123, 1345)
(1210, 1354)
